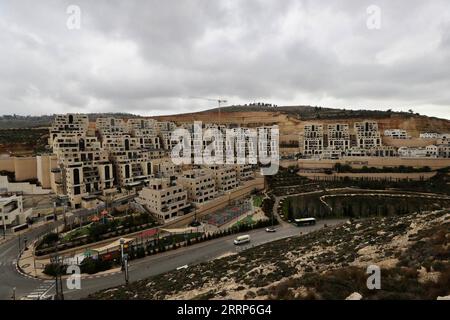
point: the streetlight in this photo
(122, 242)
(124, 259)
(4, 224)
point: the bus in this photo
(20, 227)
(305, 222)
(242, 239)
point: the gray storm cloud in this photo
(149, 57)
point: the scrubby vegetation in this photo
(411, 250)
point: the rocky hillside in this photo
(411, 250)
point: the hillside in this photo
(411, 250)
(291, 120)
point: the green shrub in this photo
(91, 265)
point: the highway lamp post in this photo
(122, 242)
(124, 260)
(4, 224)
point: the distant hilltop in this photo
(21, 122)
(289, 118)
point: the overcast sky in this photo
(151, 57)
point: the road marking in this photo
(40, 291)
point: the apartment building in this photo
(165, 199)
(164, 167)
(432, 151)
(75, 125)
(132, 164)
(367, 134)
(268, 141)
(147, 132)
(244, 172)
(313, 139)
(408, 152)
(382, 151)
(84, 168)
(338, 135)
(12, 212)
(429, 135)
(200, 185)
(443, 146)
(396, 134)
(225, 177)
(111, 126)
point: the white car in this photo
(271, 229)
(242, 239)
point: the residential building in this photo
(12, 212)
(225, 177)
(313, 139)
(164, 198)
(396, 134)
(338, 135)
(367, 134)
(200, 185)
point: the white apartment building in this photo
(408, 152)
(84, 168)
(396, 134)
(111, 126)
(429, 135)
(367, 134)
(313, 142)
(164, 167)
(383, 151)
(265, 141)
(225, 177)
(338, 136)
(12, 212)
(444, 151)
(132, 164)
(165, 199)
(244, 172)
(443, 145)
(75, 125)
(200, 185)
(432, 151)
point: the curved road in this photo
(139, 269)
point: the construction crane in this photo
(219, 101)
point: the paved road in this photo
(9, 277)
(139, 269)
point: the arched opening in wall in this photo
(81, 144)
(70, 118)
(127, 171)
(76, 176)
(107, 173)
(127, 144)
(112, 122)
